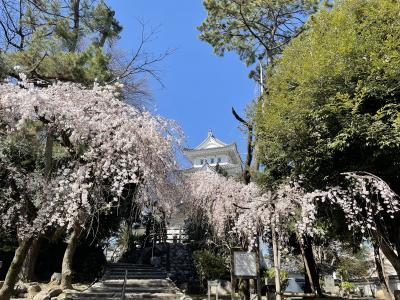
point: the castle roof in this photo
(210, 142)
(213, 146)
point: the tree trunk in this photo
(277, 263)
(249, 156)
(75, 12)
(387, 250)
(309, 257)
(15, 269)
(310, 281)
(250, 146)
(384, 282)
(233, 281)
(66, 270)
(28, 267)
(48, 155)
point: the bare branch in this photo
(238, 206)
(140, 62)
(239, 118)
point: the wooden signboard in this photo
(244, 264)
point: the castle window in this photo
(212, 160)
(219, 159)
(201, 161)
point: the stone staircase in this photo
(143, 282)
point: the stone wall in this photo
(181, 267)
(176, 259)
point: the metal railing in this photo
(124, 285)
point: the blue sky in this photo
(200, 87)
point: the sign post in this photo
(210, 284)
(246, 265)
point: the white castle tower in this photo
(212, 153)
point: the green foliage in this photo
(354, 265)
(347, 287)
(198, 227)
(255, 30)
(333, 103)
(58, 41)
(102, 21)
(50, 61)
(3, 69)
(209, 266)
(269, 274)
(24, 149)
(51, 46)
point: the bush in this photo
(347, 287)
(209, 266)
(269, 274)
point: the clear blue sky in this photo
(200, 87)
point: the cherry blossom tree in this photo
(245, 212)
(97, 147)
(221, 197)
(276, 215)
(370, 207)
(368, 203)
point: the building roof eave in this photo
(231, 150)
(210, 140)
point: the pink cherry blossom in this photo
(251, 210)
(364, 200)
(111, 145)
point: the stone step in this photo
(135, 270)
(117, 271)
(117, 276)
(130, 266)
(151, 297)
(135, 276)
(90, 298)
(166, 296)
(117, 289)
(122, 274)
(135, 290)
(126, 263)
(133, 286)
(143, 282)
(133, 282)
(97, 295)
